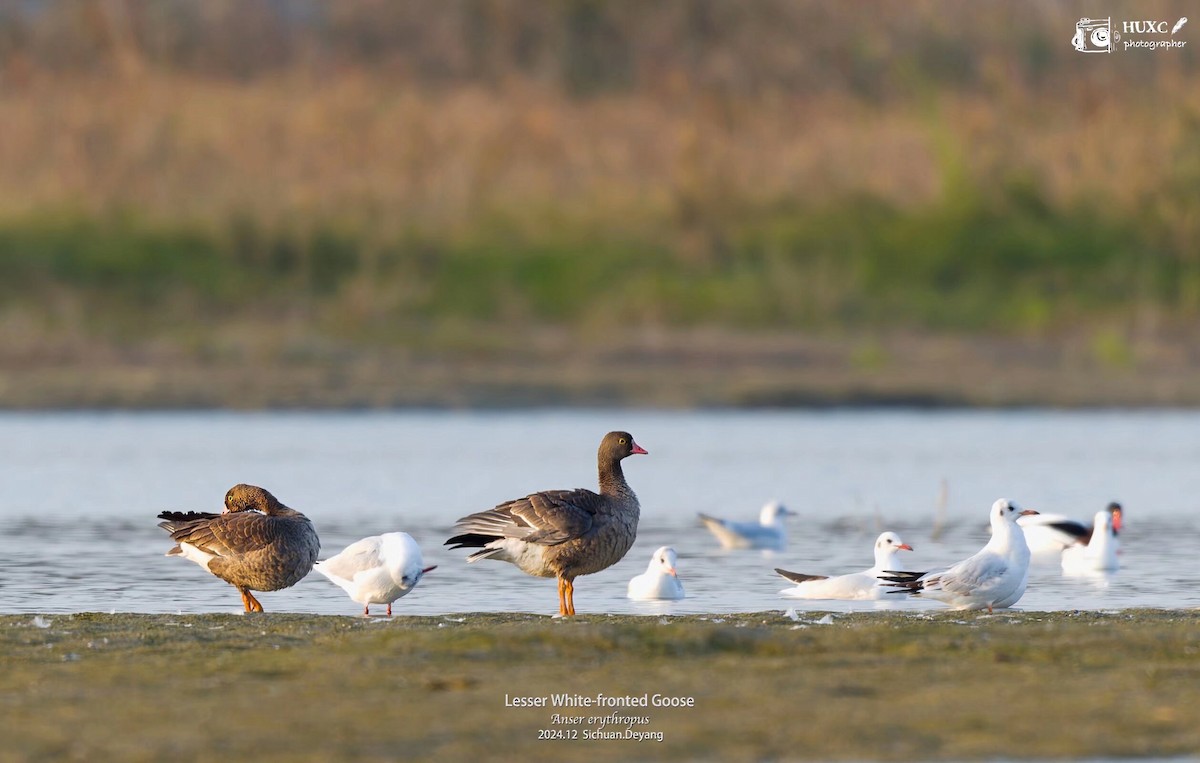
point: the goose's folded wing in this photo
(229, 534)
(556, 516)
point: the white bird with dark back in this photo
(1051, 533)
(660, 580)
(767, 533)
(377, 570)
(993, 578)
(856, 585)
(1099, 554)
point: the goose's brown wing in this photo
(557, 516)
(228, 534)
(547, 518)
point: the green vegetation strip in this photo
(763, 686)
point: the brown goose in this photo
(561, 533)
(255, 543)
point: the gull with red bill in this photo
(660, 580)
(856, 585)
(562, 533)
(993, 578)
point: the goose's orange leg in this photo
(249, 601)
(570, 589)
(562, 601)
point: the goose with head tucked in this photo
(561, 533)
(255, 544)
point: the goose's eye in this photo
(622, 441)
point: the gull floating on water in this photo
(561, 533)
(995, 577)
(255, 544)
(377, 570)
(1100, 553)
(1051, 533)
(767, 533)
(660, 580)
(856, 585)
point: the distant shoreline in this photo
(674, 371)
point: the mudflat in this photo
(942, 685)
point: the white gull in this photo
(1099, 554)
(768, 532)
(660, 580)
(856, 585)
(376, 570)
(1051, 533)
(995, 577)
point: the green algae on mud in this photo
(763, 685)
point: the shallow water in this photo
(80, 492)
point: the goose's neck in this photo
(612, 479)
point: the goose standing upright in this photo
(995, 577)
(561, 533)
(856, 585)
(256, 543)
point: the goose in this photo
(561, 533)
(256, 543)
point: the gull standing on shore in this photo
(995, 577)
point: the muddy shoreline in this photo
(865, 686)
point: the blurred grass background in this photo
(691, 202)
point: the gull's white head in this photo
(772, 513)
(1005, 510)
(886, 546)
(403, 556)
(664, 560)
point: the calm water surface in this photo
(79, 493)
